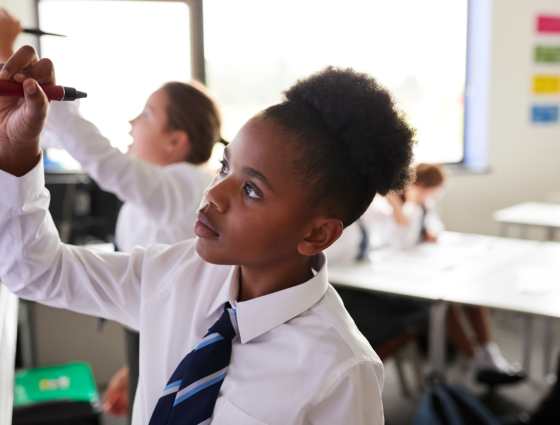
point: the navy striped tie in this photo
(192, 390)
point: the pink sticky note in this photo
(548, 23)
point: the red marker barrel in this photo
(53, 92)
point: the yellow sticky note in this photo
(544, 84)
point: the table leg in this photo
(437, 336)
(522, 231)
(27, 334)
(400, 374)
(503, 229)
(527, 342)
(547, 346)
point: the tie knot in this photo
(226, 325)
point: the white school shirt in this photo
(386, 232)
(346, 248)
(299, 359)
(159, 202)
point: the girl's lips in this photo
(202, 227)
(203, 231)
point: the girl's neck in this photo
(256, 281)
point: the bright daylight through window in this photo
(139, 47)
(255, 49)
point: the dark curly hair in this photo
(352, 139)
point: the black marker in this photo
(39, 32)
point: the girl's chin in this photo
(207, 253)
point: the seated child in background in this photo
(403, 221)
(160, 180)
(239, 325)
(398, 220)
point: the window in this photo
(254, 49)
(119, 55)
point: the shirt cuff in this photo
(17, 191)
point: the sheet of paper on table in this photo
(538, 279)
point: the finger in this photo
(26, 56)
(107, 405)
(8, 14)
(42, 72)
(36, 102)
(119, 408)
(109, 402)
(115, 407)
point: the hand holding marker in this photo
(53, 92)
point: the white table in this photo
(8, 333)
(467, 269)
(537, 214)
(541, 214)
(500, 290)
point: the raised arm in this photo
(34, 263)
(407, 217)
(153, 188)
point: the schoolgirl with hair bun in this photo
(240, 325)
(160, 180)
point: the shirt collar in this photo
(228, 292)
(262, 314)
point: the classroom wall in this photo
(524, 160)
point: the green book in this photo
(72, 381)
(547, 54)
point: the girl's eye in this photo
(224, 169)
(144, 115)
(251, 193)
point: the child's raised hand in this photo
(21, 120)
(415, 194)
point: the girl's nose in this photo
(217, 194)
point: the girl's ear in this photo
(325, 232)
(179, 142)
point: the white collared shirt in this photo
(387, 233)
(299, 359)
(159, 202)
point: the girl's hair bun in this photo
(366, 119)
(352, 140)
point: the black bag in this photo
(59, 412)
(452, 405)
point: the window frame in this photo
(477, 80)
(198, 71)
(477, 88)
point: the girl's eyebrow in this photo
(251, 171)
(254, 173)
